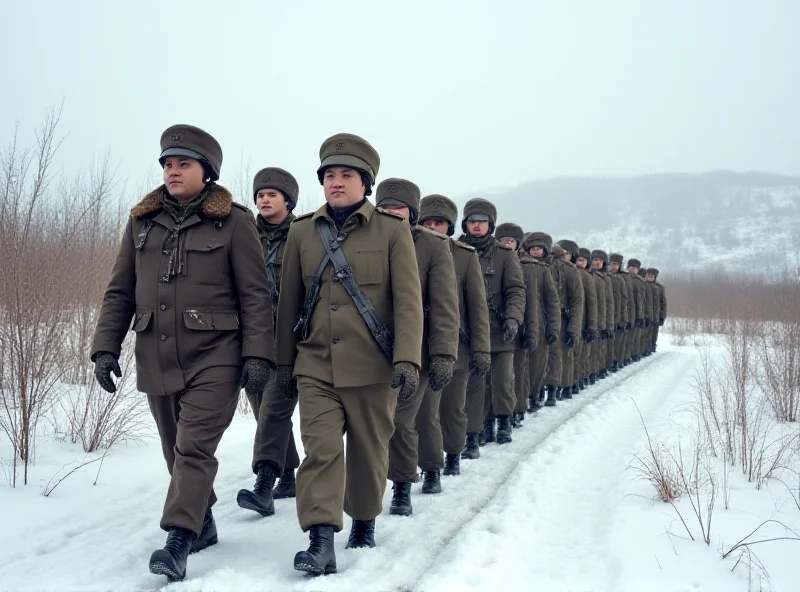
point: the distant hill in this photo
(740, 221)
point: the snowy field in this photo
(559, 509)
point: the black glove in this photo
(286, 382)
(570, 340)
(255, 376)
(480, 363)
(628, 326)
(510, 328)
(621, 328)
(605, 334)
(647, 322)
(104, 364)
(639, 323)
(591, 335)
(530, 342)
(440, 372)
(406, 378)
(661, 322)
(551, 338)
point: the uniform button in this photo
(163, 338)
(336, 340)
(163, 307)
(334, 307)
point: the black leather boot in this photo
(472, 450)
(432, 482)
(566, 392)
(362, 534)
(487, 435)
(208, 536)
(320, 557)
(260, 499)
(401, 499)
(503, 429)
(551, 397)
(171, 560)
(286, 486)
(452, 465)
(517, 422)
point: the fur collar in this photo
(217, 205)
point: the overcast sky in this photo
(456, 96)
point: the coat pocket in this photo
(141, 320)
(368, 267)
(207, 261)
(199, 319)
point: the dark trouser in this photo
(404, 443)
(630, 341)
(521, 383)
(190, 425)
(499, 397)
(474, 408)
(609, 347)
(619, 347)
(568, 365)
(583, 355)
(598, 355)
(274, 442)
(556, 359)
(655, 334)
(537, 365)
(325, 483)
(442, 422)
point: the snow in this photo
(559, 509)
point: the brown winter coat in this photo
(474, 330)
(637, 296)
(600, 291)
(662, 301)
(533, 310)
(549, 304)
(571, 294)
(273, 244)
(506, 291)
(340, 349)
(210, 313)
(591, 302)
(620, 294)
(438, 285)
(610, 304)
(647, 298)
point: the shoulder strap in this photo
(272, 274)
(344, 273)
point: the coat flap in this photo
(199, 319)
(141, 320)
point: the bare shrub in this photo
(656, 467)
(779, 369)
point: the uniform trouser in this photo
(609, 347)
(475, 402)
(568, 365)
(537, 366)
(630, 340)
(404, 443)
(190, 425)
(442, 422)
(583, 353)
(619, 346)
(499, 396)
(556, 357)
(598, 355)
(521, 388)
(325, 483)
(274, 442)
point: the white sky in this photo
(456, 96)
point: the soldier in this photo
(505, 297)
(606, 346)
(620, 287)
(350, 332)
(189, 273)
(592, 315)
(442, 420)
(275, 194)
(644, 334)
(538, 246)
(655, 316)
(661, 303)
(574, 299)
(439, 341)
(638, 297)
(528, 337)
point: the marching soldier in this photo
(189, 272)
(575, 302)
(620, 308)
(538, 246)
(439, 341)
(275, 194)
(350, 331)
(644, 334)
(592, 315)
(661, 300)
(606, 353)
(638, 297)
(505, 297)
(442, 420)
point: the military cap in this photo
(192, 142)
(570, 247)
(509, 229)
(585, 253)
(642, 272)
(479, 209)
(598, 254)
(616, 258)
(349, 150)
(439, 206)
(653, 271)
(399, 192)
(276, 178)
(558, 251)
(538, 239)
(634, 263)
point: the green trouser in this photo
(442, 422)
(537, 365)
(521, 383)
(499, 397)
(404, 443)
(274, 442)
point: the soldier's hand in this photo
(628, 326)
(591, 335)
(286, 382)
(621, 328)
(406, 378)
(510, 328)
(255, 376)
(570, 340)
(104, 364)
(480, 363)
(647, 322)
(605, 334)
(661, 322)
(530, 342)
(639, 323)
(441, 372)
(551, 338)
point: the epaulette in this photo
(504, 246)
(241, 207)
(428, 231)
(386, 212)
(464, 245)
(302, 217)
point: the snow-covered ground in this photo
(559, 509)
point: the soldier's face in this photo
(511, 242)
(537, 252)
(272, 205)
(615, 267)
(402, 210)
(650, 277)
(437, 225)
(183, 177)
(633, 270)
(343, 186)
(478, 227)
(597, 263)
(582, 262)
(567, 257)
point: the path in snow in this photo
(563, 466)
